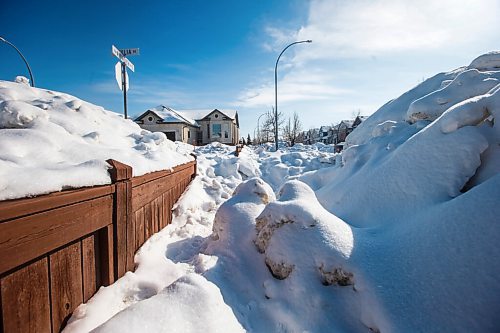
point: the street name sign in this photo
(122, 57)
(127, 52)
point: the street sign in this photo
(121, 74)
(129, 64)
(127, 52)
(118, 76)
(122, 58)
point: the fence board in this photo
(139, 229)
(65, 284)
(136, 181)
(148, 219)
(89, 267)
(27, 206)
(147, 192)
(105, 256)
(27, 238)
(25, 299)
(56, 250)
(123, 224)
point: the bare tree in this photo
(292, 130)
(269, 125)
(355, 113)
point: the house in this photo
(358, 121)
(196, 127)
(344, 128)
(310, 136)
(324, 134)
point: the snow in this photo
(170, 115)
(398, 233)
(65, 142)
(191, 296)
(488, 61)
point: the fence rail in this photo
(56, 250)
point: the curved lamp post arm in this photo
(258, 128)
(24, 59)
(276, 89)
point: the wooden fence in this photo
(56, 250)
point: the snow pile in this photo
(290, 163)
(65, 142)
(173, 310)
(398, 233)
(283, 223)
(467, 84)
(487, 62)
(174, 251)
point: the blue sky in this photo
(221, 54)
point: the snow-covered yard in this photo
(398, 233)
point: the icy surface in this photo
(398, 233)
(51, 141)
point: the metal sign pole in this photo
(124, 88)
(121, 55)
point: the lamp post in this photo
(276, 90)
(32, 81)
(258, 128)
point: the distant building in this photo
(310, 136)
(335, 134)
(196, 127)
(325, 135)
(344, 127)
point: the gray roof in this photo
(169, 115)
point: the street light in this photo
(258, 128)
(276, 90)
(24, 59)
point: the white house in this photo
(196, 127)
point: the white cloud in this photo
(386, 30)
(298, 84)
(360, 28)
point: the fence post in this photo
(121, 175)
(195, 170)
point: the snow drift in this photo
(51, 141)
(398, 233)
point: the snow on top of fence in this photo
(51, 141)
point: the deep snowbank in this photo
(51, 141)
(399, 233)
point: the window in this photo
(170, 135)
(216, 131)
(208, 130)
(216, 115)
(225, 129)
(189, 134)
(150, 118)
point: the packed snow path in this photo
(399, 233)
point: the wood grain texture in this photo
(65, 284)
(90, 267)
(105, 258)
(131, 242)
(136, 181)
(139, 229)
(25, 299)
(27, 238)
(119, 171)
(123, 216)
(11, 209)
(148, 220)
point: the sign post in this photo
(122, 78)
